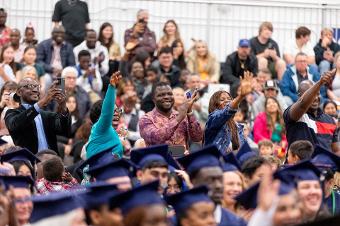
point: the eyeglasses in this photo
(70, 78)
(31, 86)
(22, 200)
(119, 110)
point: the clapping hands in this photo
(186, 107)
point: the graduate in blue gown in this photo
(204, 168)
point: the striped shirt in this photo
(319, 129)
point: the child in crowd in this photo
(274, 161)
(89, 77)
(266, 147)
(299, 150)
(55, 178)
(248, 136)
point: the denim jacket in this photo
(45, 52)
(217, 132)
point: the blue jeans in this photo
(324, 66)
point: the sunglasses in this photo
(31, 86)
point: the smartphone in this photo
(270, 45)
(188, 94)
(177, 151)
(61, 84)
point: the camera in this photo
(142, 21)
(15, 97)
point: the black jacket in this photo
(173, 75)
(232, 70)
(318, 50)
(21, 127)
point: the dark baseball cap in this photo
(243, 43)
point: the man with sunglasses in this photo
(29, 125)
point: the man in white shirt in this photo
(301, 43)
(88, 75)
(99, 53)
(131, 116)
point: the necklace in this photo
(72, 2)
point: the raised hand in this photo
(327, 77)
(246, 83)
(60, 97)
(183, 111)
(325, 42)
(115, 78)
(49, 96)
(268, 192)
(182, 174)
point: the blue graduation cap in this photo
(206, 157)
(141, 196)
(248, 198)
(53, 204)
(325, 159)
(161, 153)
(245, 153)
(304, 170)
(17, 181)
(20, 155)
(230, 163)
(184, 200)
(97, 159)
(98, 194)
(115, 168)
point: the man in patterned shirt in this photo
(165, 125)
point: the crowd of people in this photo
(92, 134)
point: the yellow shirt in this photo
(202, 69)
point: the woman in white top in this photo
(6, 71)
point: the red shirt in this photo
(4, 36)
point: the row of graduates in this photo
(123, 192)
